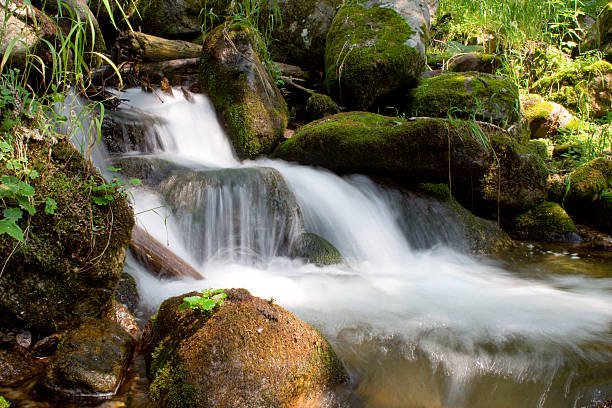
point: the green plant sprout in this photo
(104, 193)
(208, 301)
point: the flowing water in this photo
(417, 321)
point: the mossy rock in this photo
(546, 221)
(247, 352)
(300, 33)
(599, 35)
(71, 262)
(542, 148)
(126, 292)
(474, 61)
(485, 97)
(546, 119)
(315, 249)
(90, 363)
(178, 18)
(373, 53)
(585, 90)
(244, 94)
(319, 106)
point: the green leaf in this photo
(13, 213)
(50, 206)
(9, 180)
(5, 147)
(111, 168)
(31, 173)
(8, 226)
(25, 189)
(135, 181)
(100, 200)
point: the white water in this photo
(466, 319)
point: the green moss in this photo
(316, 249)
(537, 109)
(541, 148)
(170, 389)
(366, 56)
(546, 218)
(440, 190)
(464, 95)
(319, 105)
(590, 179)
(255, 119)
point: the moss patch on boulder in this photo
(315, 249)
(319, 105)
(585, 90)
(248, 352)
(71, 262)
(369, 55)
(546, 221)
(485, 97)
(243, 92)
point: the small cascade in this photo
(416, 319)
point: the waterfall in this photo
(417, 321)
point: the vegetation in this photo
(209, 299)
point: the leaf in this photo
(111, 168)
(31, 173)
(135, 181)
(8, 226)
(25, 189)
(13, 213)
(9, 181)
(100, 200)
(50, 206)
(5, 147)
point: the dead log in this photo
(154, 255)
(150, 47)
(178, 72)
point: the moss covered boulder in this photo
(474, 61)
(70, 263)
(319, 105)
(315, 249)
(585, 90)
(244, 94)
(546, 119)
(90, 363)
(247, 352)
(546, 221)
(179, 18)
(375, 51)
(486, 97)
(300, 32)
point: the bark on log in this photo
(154, 255)
(149, 47)
(174, 70)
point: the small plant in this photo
(208, 301)
(4, 403)
(102, 194)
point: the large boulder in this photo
(70, 263)
(586, 90)
(600, 33)
(90, 363)
(247, 352)
(244, 94)
(315, 249)
(482, 96)
(375, 50)
(546, 221)
(482, 160)
(179, 18)
(546, 119)
(300, 30)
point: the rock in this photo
(375, 51)
(300, 33)
(315, 249)
(485, 97)
(18, 22)
(150, 170)
(125, 134)
(24, 338)
(474, 61)
(119, 314)
(244, 94)
(600, 34)
(318, 106)
(546, 118)
(46, 347)
(542, 148)
(430, 216)
(547, 222)
(585, 90)
(126, 292)
(583, 192)
(412, 151)
(90, 363)
(248, 352)
(17, 366)
(69, 266)
(179, 18)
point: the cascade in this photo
(417, 320)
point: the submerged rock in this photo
(547, 222)
(315, 249)
(248, 352)
(70, 264)
(17, 366)
(90, 363)
(240, 87)
(465, 95)
(126, 292)
(585, 90)
(375, 49)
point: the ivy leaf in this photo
(13, 213)
(8, 226)
(50, 206)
